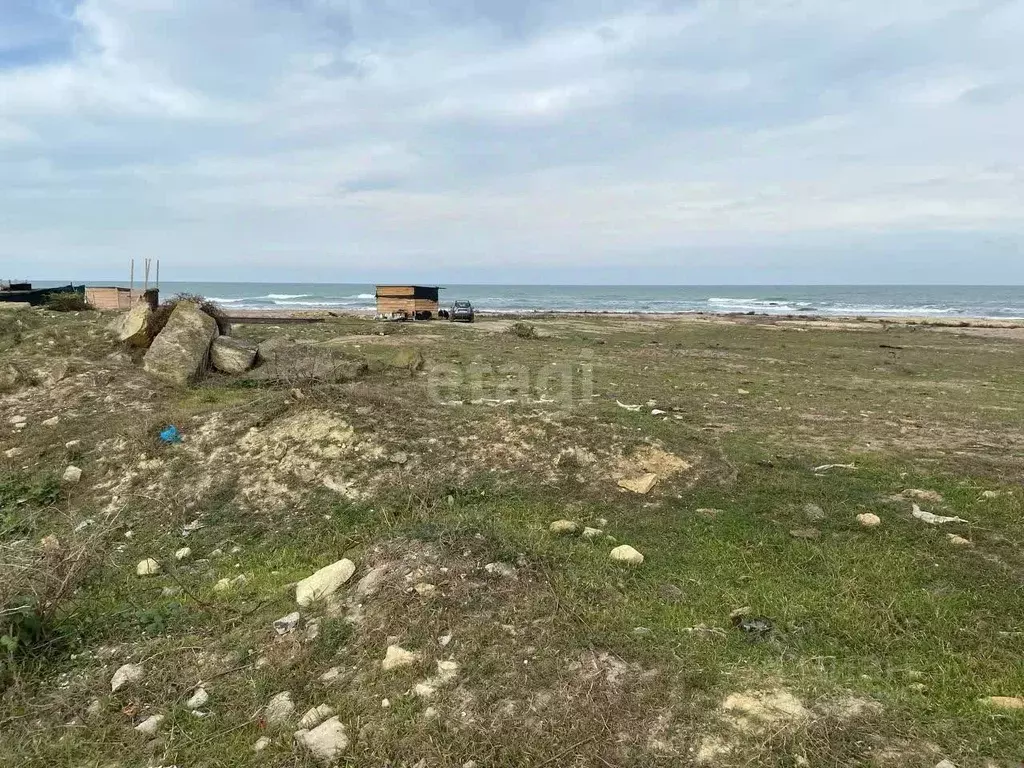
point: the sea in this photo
(1006, 302)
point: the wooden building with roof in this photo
(411, 302)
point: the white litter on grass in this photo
(931, 519)
(633, 408)
(827, 467)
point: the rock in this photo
(370, 583)
(814, 513)
(315, 716)
(13, 453)
(150, 725)
(400, 458)
(330, 675)
(326, 742)
(72, 475)
(806, 533)
(19, 420)
(626, 554)
(945, 764)
(869, 520)
(324, 582)
(279, 709)
(501, 570)
(50, 545)
(423, 589)
(183, 554)
(447, 672)
(126, 675)
(592, 533)
(564, 528)
(231, 355)
(73, 445)
(198, 700)
(132, 328)
(180, 353)
(222, 586)
(397, 657)
(95, 708)
(53, 421)
(147, 567)
(170, 591)
(990, 494)
(288, 623)
(1004, 702)
(261, 744)
(958, 541)
(641, 485)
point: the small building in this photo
(411, 302)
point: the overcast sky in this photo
(580, 141)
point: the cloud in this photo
(331, 138)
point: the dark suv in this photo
(461, 311)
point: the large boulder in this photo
(133, 327)
(181, 352)
(230, 355)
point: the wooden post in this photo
(131, 281)
(158, 274)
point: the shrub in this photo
(67, 302)
(523, 331)
(163, 313)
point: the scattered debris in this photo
(959, 541)
(397, 657)
(641, 485)
(827, 467)
(148, 567)
(931, 519)
(504, 570)
(324, 582)
(126, 675)
(759, 626)
(632, 408)
(869, 520)
(626, 554)
(170, 435)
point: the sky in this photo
(525, 141)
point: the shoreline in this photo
(270, 316)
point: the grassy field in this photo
(767, 625)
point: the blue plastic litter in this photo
(170, 435)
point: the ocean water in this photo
(909, 300)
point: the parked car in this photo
(461, 311)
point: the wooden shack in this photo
(411, 302)
(107, 298)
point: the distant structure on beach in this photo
(409, 302)
(112, 297)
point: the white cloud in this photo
(294, 134)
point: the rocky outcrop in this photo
(180, 353)
(234, 356)
(133, 327)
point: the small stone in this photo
(424, 589)
(50, 545)
(150, 725)
(326, 742)
(216, 553)
(444, 640)
(261, 744)
(13, 453)
(191, 528)
(95, 708)
(657, 412)
(642, 631)
(129, 673)
(183, 554)
(385, 703)
(73, 445)
(147, 567)
(279, 709)
(869, 520)
(371, 582)
(945, 764)
(564, 528)
(52, 422)
(330, 675)
(626, 554)
(990, 494)
(400, 458)
(397, 657)
(641, 485)
(313, 630)
(806, 533)
(592, 533)
(814, 513)
(324, 582)
(288, 623)
(16, 420)
(198, 700)
(1004, 702)
(958, 541)
(430, 713)
(170, 591)
(315, 716)
(72, 475)
(501, 570)
(222, 586)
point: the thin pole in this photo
(158, 274)
(131, 283)
(146, 288)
